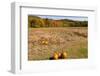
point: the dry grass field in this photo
(43, 42)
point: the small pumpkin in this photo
(64, 55)
(55, 56)
(46, 42)
(43, 42)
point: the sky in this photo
(76, 18)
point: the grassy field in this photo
(73, 40)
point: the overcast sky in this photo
(79, 18)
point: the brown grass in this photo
(43, 42)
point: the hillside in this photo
(36, 22)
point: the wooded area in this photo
(36, 22)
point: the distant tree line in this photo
(36, 22)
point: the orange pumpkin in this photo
(46, 42)
(64, 55)
(43, 42)
(55, 56)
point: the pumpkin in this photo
(55, 56)
(64, 55)
(46, 42)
